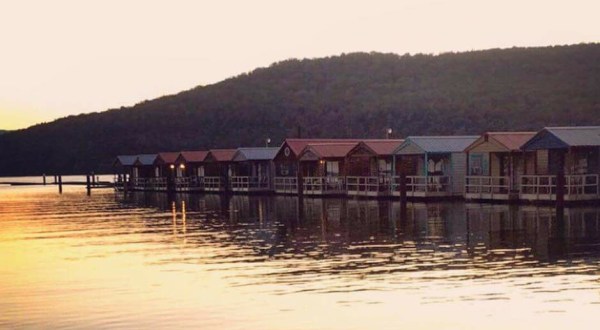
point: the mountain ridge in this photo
(349, 95)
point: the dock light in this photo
(389, 132)
(172, 166)
(267, 141)
(182, 166)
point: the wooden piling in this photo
(560, 181)
(44, 178)
(60, 190)
(88, 185)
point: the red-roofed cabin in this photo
(191, 164)
(369, 168)
(494, 164)
(165, 163)
(218, 169)
(287, 163)
(323, 168)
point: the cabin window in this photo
(157, 172)
(284, 169)
(200, 171)
(580, 164)
(478, 164)
(333, 169)
(385, 167)
(435, 167)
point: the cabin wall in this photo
(542, 162)
(457, 172)
(495, 165)
(529, 163)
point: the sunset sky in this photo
(69, 57)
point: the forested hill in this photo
(352, 95)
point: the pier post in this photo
(44, 178)
(60, 184)
(88, 185)
(560, 180)
(93, 179)
(300, 179)
(55, 180)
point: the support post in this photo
(88, 185)
(44, 178)
(60, 184)
(300, 179)
(560, 181)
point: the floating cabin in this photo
(287, 163)
(165, 162)
(370, 168)
(123, 170)
(217, 170)
(323, 168)
(192, 165)
(566, 165)
(495, 163)
(433, 166)
(253, 170)
(146, 175)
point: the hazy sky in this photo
(67, 57)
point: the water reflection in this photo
(376, 237)
(206, 261)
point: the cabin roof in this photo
(222, 155)
(243, 154)
(435, 144)
(125, 160)
(509, 141)
(168, 157)
(298, 145)
(146, 159)
(330, 150)
(383, 147)
(564, 137)
(194, 156)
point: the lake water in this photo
(210, 262)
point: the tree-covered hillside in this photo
(352, 95)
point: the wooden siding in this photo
(541, 162)
(410, 149)
(458, 172)
(488, 146)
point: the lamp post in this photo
(267, 141)
(388, 133)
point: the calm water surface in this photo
(209, 262)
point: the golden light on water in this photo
(146, 261)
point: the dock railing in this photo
(487, 184)
(286, 184)
(315, 185)
(213, 183)
(423, 184)
(543, 187)
(249, 183)
(368, 185)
